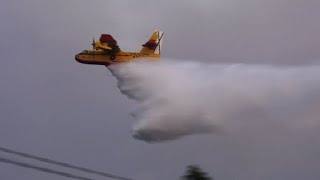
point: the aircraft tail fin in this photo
(154, 44)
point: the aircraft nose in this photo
(77, 58)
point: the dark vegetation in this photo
(195, 173)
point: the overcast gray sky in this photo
(52, 106)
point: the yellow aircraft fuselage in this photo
(106, 51)
(102, 57)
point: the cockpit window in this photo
(85, 52)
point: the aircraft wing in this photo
(105, 47)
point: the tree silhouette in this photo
(195, 173)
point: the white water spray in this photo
(182, 98)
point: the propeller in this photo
(93, 44)
(159, 39)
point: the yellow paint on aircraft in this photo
(106, 51)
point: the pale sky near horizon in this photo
(52, 106)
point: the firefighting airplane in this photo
(107, 51)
